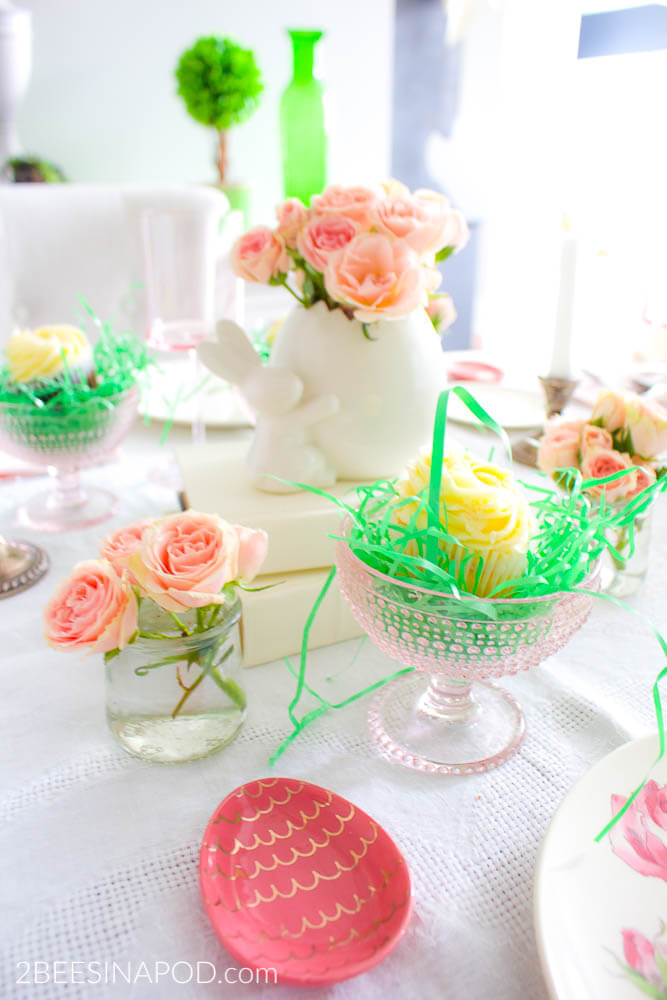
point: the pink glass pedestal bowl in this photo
(65, 446)
(448, 717)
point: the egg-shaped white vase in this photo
(386, 384)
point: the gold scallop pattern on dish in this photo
(354, 934)
(291, 792)
(320, 901)
(291, 828)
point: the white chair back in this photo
(62, 241)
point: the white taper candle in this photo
(561, 363)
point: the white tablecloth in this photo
(99, 851)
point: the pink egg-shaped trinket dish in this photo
(298, 879)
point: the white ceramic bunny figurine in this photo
(281, 446)
(335, 401)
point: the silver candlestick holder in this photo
(557, 393)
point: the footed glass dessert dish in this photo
(448, 717)
(66, 443)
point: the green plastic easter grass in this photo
(39, 413)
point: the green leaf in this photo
(622, 440)
(642, 984)
(308, 287)
(256, 590)
(662, 966)
(111, 653)
(364, 327)
(443, 254)
(234, 692)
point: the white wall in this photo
(513, 149)
(102, 102)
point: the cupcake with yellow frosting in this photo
(45, 354)
(482, 507)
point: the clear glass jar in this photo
(622, 573)
(179, 697)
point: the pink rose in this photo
(558, 449)
(455, 232)
(601, 462)
(253, 546)
(379, 278)
(259, 255)
(647, 423)
(595, 437)
(93, 609)
(355, 203)
(441, 311)
(292, 216)
(186, 559)
(119, 545)
(424, 220)
(644, 476)
(324, 235)
(610, 408)
(640, 955)
(636, 838)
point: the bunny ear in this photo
(233, 357)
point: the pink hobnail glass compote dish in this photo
(448, 717)
(66, 446)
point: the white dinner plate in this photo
(514, 409)
(587, 895)
(174, 382)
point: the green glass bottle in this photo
(302, 126)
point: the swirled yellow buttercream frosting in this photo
(38, 354)
(482, 507)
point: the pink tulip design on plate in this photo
(640, 836)
(646, 961)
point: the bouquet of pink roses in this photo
(155, 580)
(371, 253)
(624, 432)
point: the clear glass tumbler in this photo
(180, 251)
(179, 254)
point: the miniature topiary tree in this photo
(220, 84)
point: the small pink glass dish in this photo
(473, 371)
(446, 717)
(297, 879)
(65, 447)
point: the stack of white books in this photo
(301, 551)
